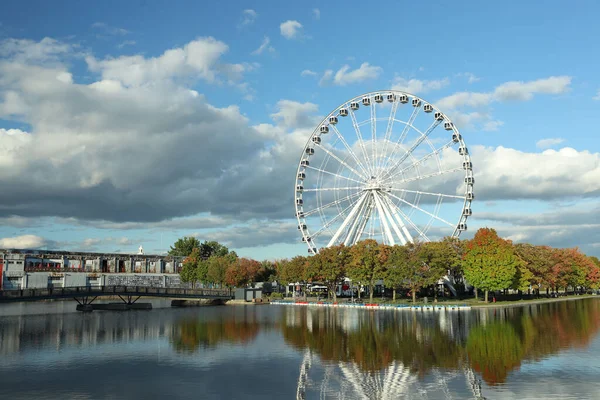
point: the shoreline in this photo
(430, 306)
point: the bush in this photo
(276, 295)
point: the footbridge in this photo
(85, 295)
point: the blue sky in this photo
(135, 146)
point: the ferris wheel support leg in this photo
(400, 222)
(388, 213)
(369, 207)
(384, 219)
(357, 220)
(349, 218)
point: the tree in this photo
(217, 268)
(489, 262)
(183, 247)
(439, 259)
(368, 263)
(329, 267)
(212, 248)
(395, 266)
(416, 265)
(190, 266)
(538, 261)
(267, 271)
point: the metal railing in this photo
(81, 291)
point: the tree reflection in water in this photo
(420, 344)
(191, 334)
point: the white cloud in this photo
(110, 30)
(462, 99)
(471, 78)
(492, 126)
(249, 16)
(291, 29)
(292, 114)
(308, 72)
(317, 13)
(597, 96)
(547, 143)
(126, 43)
(264, 46)
(345, 76)
(525, 90)
(23, 242)
(198, 59)
(44, 52)
(415, 86)
(326, 78)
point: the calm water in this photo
(49, 351)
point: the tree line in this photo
(487, 262)
(213, 264)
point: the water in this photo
(49, 351)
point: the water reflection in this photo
(313, 352)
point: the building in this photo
(25, 269)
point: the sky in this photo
(136, 123)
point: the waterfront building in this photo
(26, 269)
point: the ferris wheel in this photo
(387, 166)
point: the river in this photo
(50, 351)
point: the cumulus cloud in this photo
(199, 58)
(550, 142)
(292, 114)
(416, 86)
(308, 72)
(24, 242)
(264, 46)
(346, 76)
(455, 104)
(291, 29)
(46, 51)
(471, 78)
(138, 145)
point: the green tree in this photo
(368, 263)
(538, 261)
(329, 267)
(439, 259)
(396, 265)
(217, 268)
(183, 247)
(489, 262)
(190, 266)
(212, 248)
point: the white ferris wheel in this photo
(387, 166)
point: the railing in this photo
(113, 290)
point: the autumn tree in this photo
(329, 267)
(489, 262)
(242, 272)
(291, 271)
(190, 266)
(537, 260)
(438, 258)
(183, 247)
(368, 263)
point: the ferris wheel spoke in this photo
(423, 211)
(333, 174)
(386, 220)
(334, 219)
(333, 203)
(442, 195)
(408, 152)
(322, 189)
(374, 134)
(361, 142)
(402, 136)
(388, 131)
(408, 220)
(349, 218)
(352, 232)
(420, 161)
(342, 162)
(432, 175)
(352, 153)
